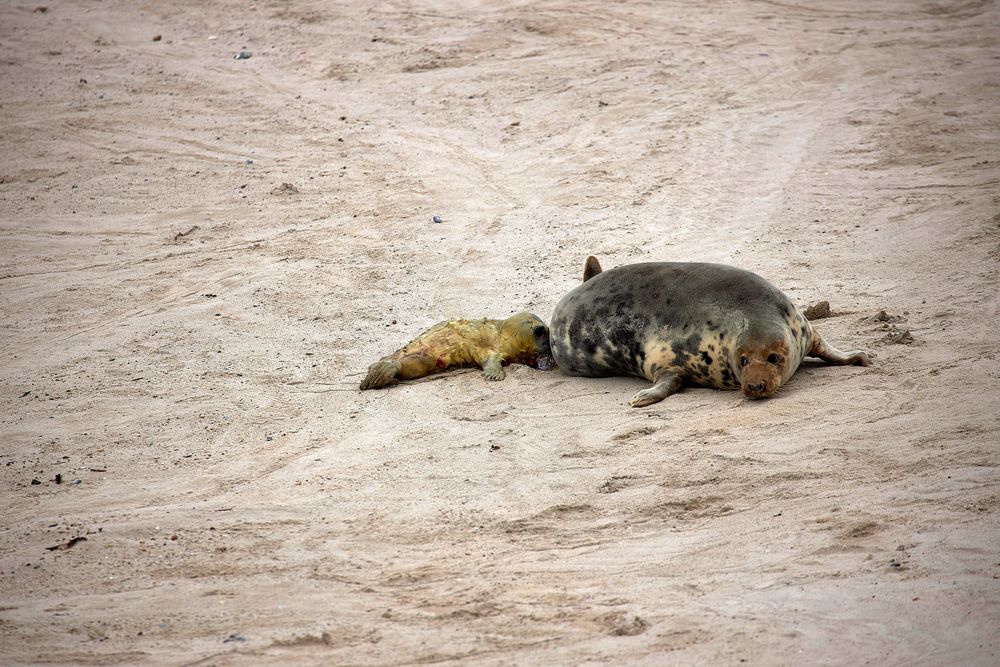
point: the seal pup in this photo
(677, 323)
(488, 344)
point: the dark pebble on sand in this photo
(898, 337)
(243, 55)
(818, 311)
(437, 218)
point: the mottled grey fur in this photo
(675, 323)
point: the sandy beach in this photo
(200, 255)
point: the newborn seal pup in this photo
(676, 322)
(489, 344)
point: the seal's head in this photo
(763, 363)
(524, 339)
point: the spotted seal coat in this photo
(489, 344)
(677, 323)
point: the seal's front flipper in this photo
(591, 268)
(664, 384)
(835, 357)
(493, 367)
(381, 374)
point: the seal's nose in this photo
(757, 388)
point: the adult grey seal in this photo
(677, 323)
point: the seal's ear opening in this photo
(591, 268)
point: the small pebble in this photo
(243, 55)
(437, 218)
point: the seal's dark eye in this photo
(773, 358)
(744, 361)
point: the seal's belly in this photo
(596, 347)
(699, 358)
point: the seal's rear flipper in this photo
(381, 374)
(591, 268)
(665, 384)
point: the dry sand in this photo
(183, 337)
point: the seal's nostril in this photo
(756, 387)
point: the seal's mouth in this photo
(544, 363)
(760, 390)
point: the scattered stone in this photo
(67, 545)
(157, 38)
(36, 482)
(883, 316)
(621, 625)
(862, 529)
(285, 189)
(234, 638)
(615, 483)
(818, 311)
(437, 218)
(58, 478)
(179, 235)
(243, 55)
(898, 337)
